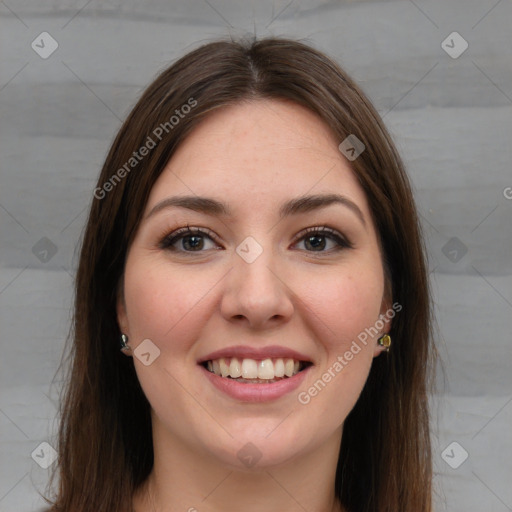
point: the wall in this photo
(451, 119)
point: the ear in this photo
(122, 317)
(387, 312)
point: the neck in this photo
(184, 479)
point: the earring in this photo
(124, 343)
(385, 341)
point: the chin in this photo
(258, 446)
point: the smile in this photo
(255, 374)
(253, 371)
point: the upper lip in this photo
(245, 352)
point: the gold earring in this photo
(385, 341)
(124, 343)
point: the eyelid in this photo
(325, 230)
(167, 239)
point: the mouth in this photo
(255, 371)
(256, 374)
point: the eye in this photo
(190, 240)
(315, 238)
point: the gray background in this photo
(451, 119)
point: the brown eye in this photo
(315, 240)
(187, 240)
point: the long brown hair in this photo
(105, 448)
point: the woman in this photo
(254, 246)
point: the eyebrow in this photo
(295, 206)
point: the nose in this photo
(257, 294)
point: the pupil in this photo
(196, 244)
(318, 244)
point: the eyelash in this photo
(169, 240)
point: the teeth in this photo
(251, 369)
(224, 368)
(266, 369)
(279, 368)
(235, 368)
(288, 367)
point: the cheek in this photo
(346, 304)
(341, 309)
(161, 302)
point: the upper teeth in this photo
(252, 369)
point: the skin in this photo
(252, 156)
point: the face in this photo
(256, 285)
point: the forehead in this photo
(257, 153)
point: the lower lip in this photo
(256, 392)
